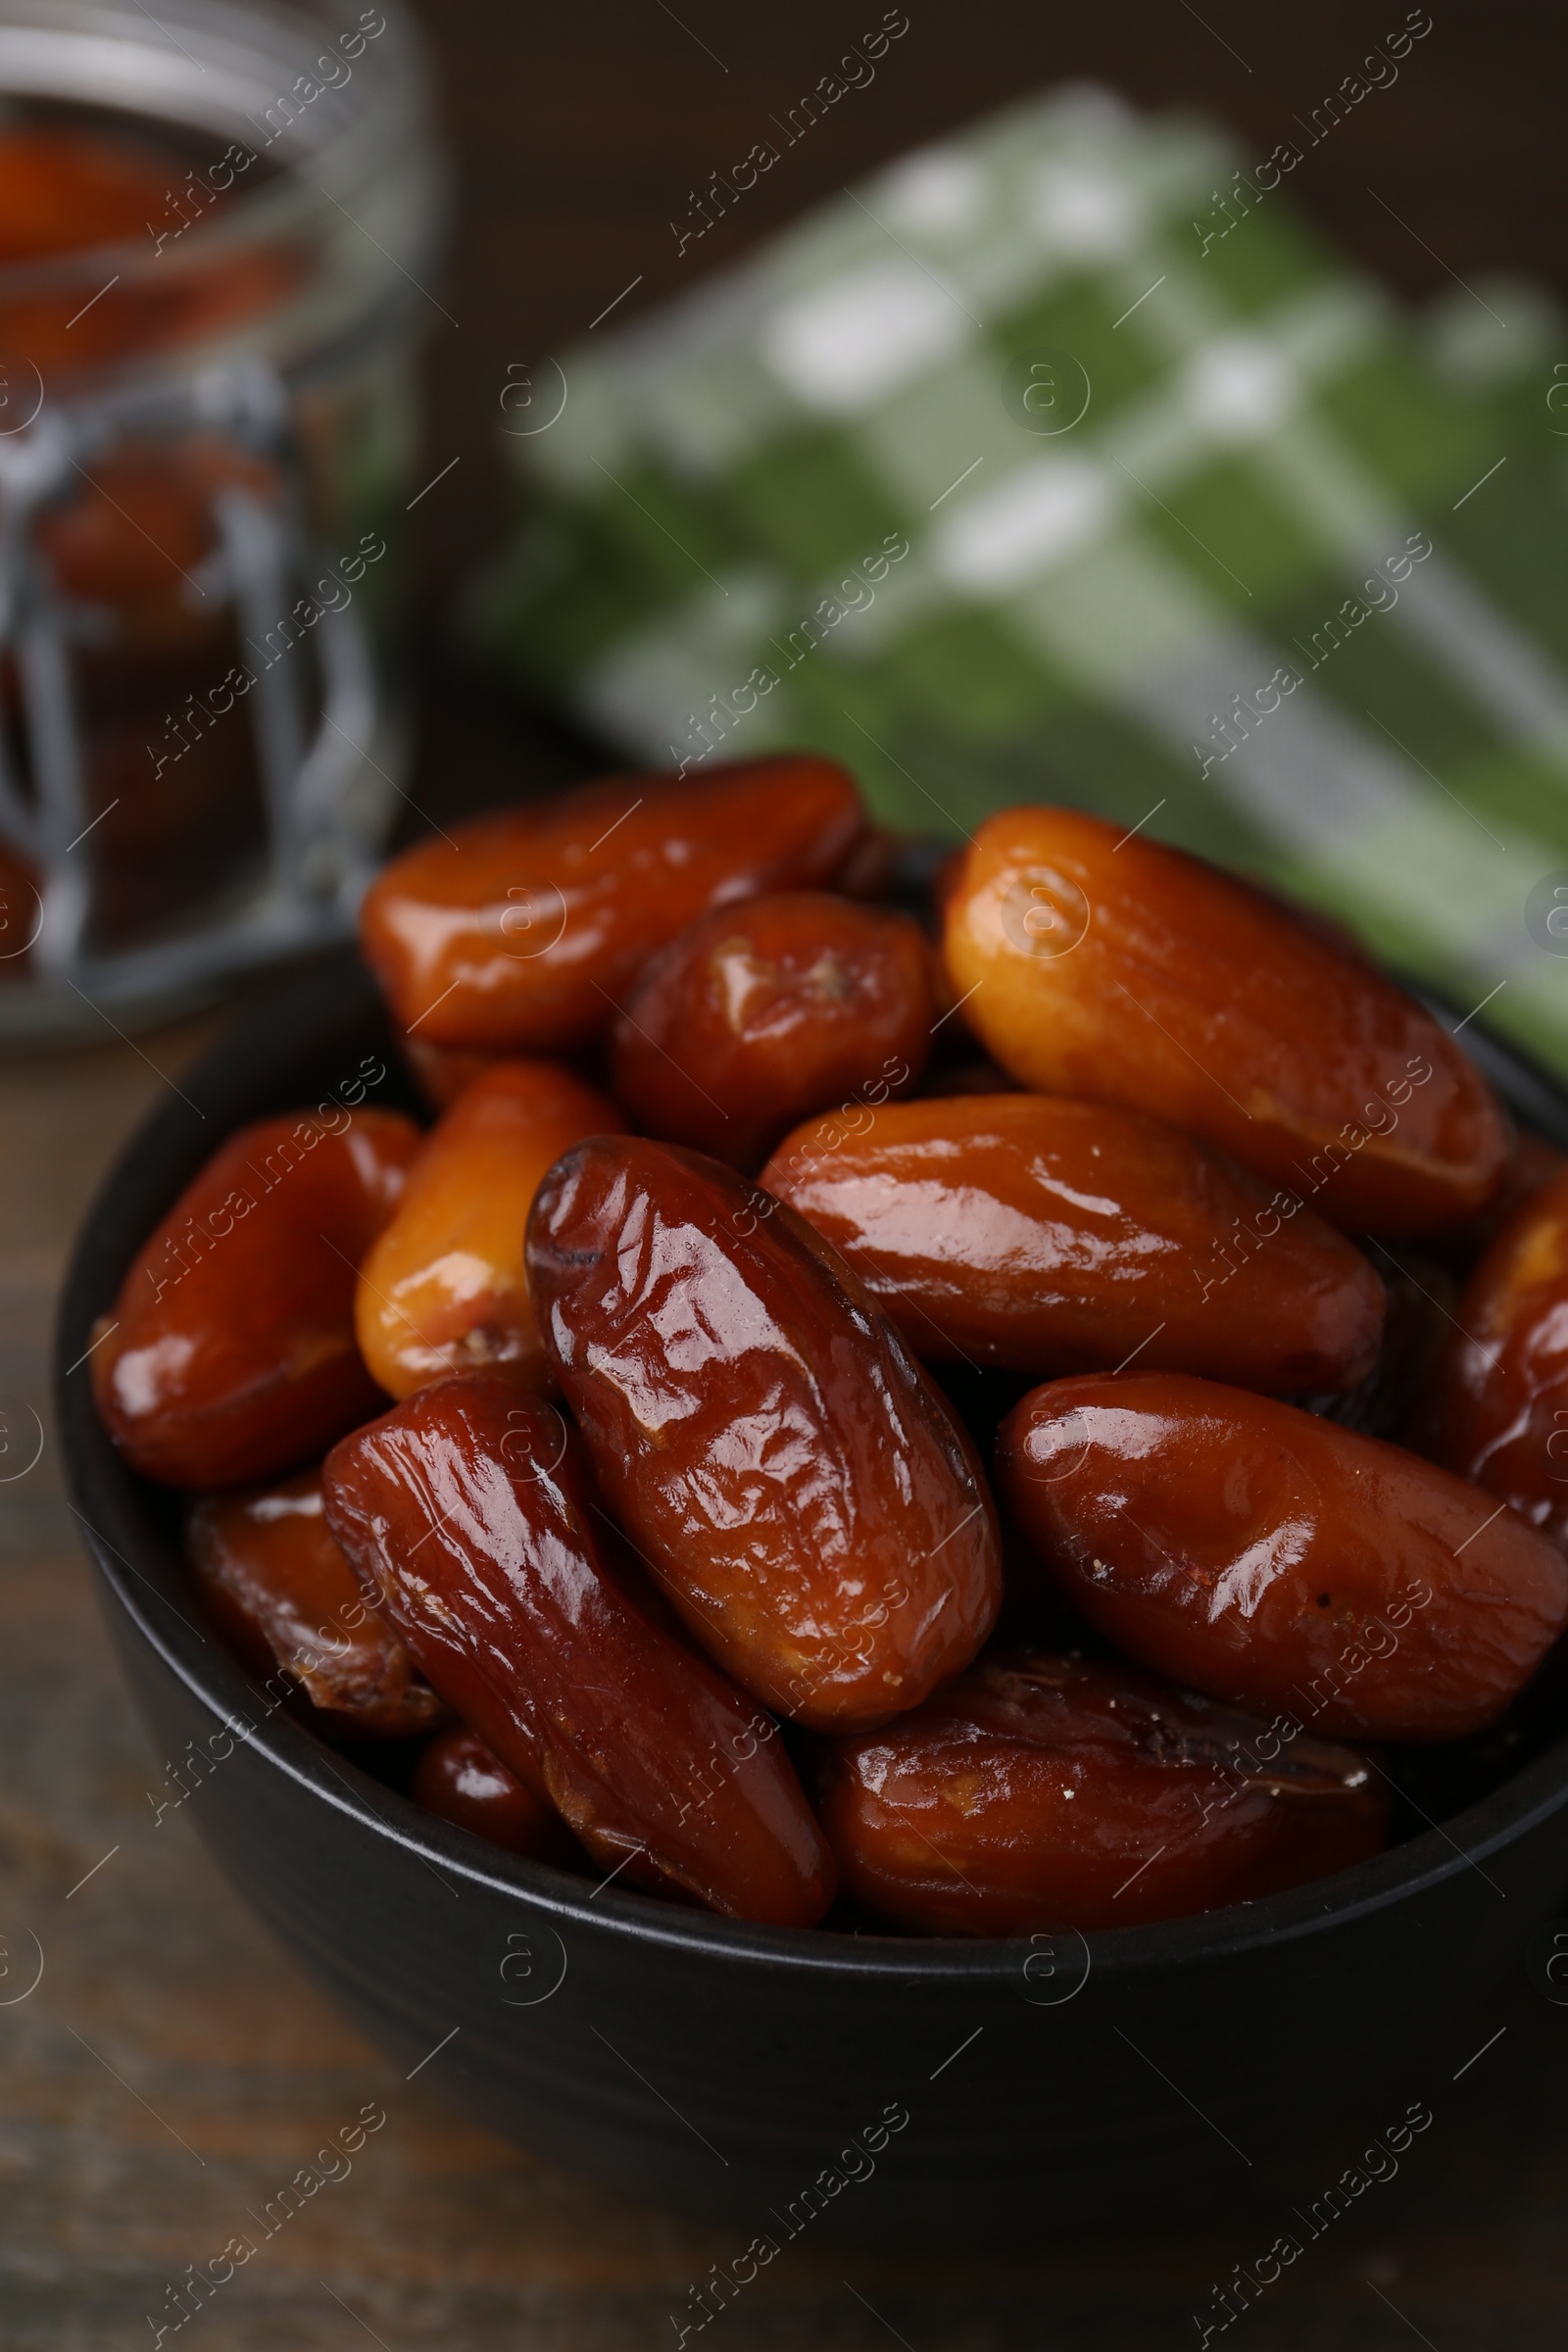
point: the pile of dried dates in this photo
(1026, 1425)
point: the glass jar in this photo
(219, 228)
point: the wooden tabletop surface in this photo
(170, 2068)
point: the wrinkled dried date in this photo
(1049, 1235)
(470, 1512)
(443, 1289)
(1128, 973)
(275, 1582)
(1497, 1409)
(1041, 1791)
(1277, 1560)
(760, 1013)
(786, 1469)
(229, 1354)
(524, 934)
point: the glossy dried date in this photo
(229, 1354)
(275, 1582)
(470, 1511)
(785, 1468)
(1047, 1236)
(1039, 1790)
(466, 1782)
(443, 1289)
(1129, 973)
(1497, 1409)
(760, 1013)
(524, 935)
(1277, 1560)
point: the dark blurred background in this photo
(580, 133)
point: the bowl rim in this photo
(278, 1027)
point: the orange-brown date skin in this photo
(469, 1513)
(443, 1288)
(462, 1781)
(525, 936)
(229, 1354)
(1129, 973)
(1047, 1236)
(1041, 1791)
(1497, 1409)
(275, 1582)
(781, 1464)
(757, 1014)
(1277, 1560)
(760, 1013)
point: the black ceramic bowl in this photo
(872, 2088)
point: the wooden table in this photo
(171, 2070)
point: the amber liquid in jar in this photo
(219, 225)
(177, 813)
